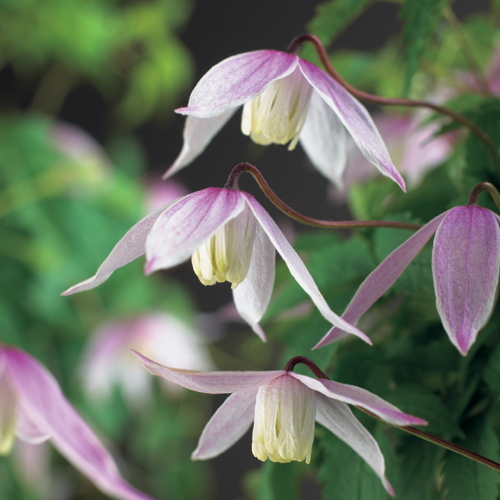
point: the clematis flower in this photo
(229, 237)
(284, 406)
(34, 410)
(465, 267)
(286, 99)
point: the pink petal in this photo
(323, 139)
(356, 396)
(252, 295)
(129, 248)
(41, 398)
(236, 80)
(355, 118)
(198, 132)
(297, 268)
(229, 423)
(179, 231)
(27, 430)
(209, 382)
(465, 266)
(382, 278)
(338, 418)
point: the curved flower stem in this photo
(232, 183)
(385, 101)
(409, 429)
(484, 186)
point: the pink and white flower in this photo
(286, 99)
(284, 406)
(229, 237)
(34, 410)
(465, 267)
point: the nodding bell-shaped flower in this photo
(228, 236)
(284, 407)
(33, 409)
(465, 267)
(285, 99)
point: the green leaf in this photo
(420, 18)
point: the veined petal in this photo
(49, 410)
(355, 118)
(337, 417)
(228, 424)
(382, 278)
(27, 430)
(209, 382)
(179, 231)
(236, 80)
(323, 139)
(357, 396)
(198, 132)
(129, 248)
(465, 266)
(253, 294)
(297, 268)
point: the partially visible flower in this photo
(160, 192)
(108, 361)
(229, 237)
(34, 410)
(286, 99)
(284, 406)
(465, 267)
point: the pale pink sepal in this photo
(41, 398)
(465, 266)
(129, 248)
(355, 118)
(337, 417)
(227, 425)
(382, 278)
(236, 80)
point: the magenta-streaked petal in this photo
(181, 230)
(356, 396)
(41, 398)
(465, 266)
(337, 417)
(355, 119)
(27, 430)
(236, 80)
(252, 295)
(297, 268)
(129, 248)
(228, 424)
(323, 139)
(209, 382)
(198, 132)
(382, 278)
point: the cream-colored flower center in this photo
(278, 114)
(227, 254)
(284, 421)
(8, 411)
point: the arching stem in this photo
(484, 186)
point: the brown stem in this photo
(484, 186)
(305, 361)
(232, 183)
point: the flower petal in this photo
(228, 424)
(338, 418)
(355, 118)
(252, 295)
(297, 268)
(179, 231)
(209, 382)
(465, 266)
(198, 132)
(41, 397)
(323, 139)
(27, 430)
(129, 248)
(356, 396)
(236, 80)
(382, 278)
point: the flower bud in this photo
(285, 412)
(278, 114)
